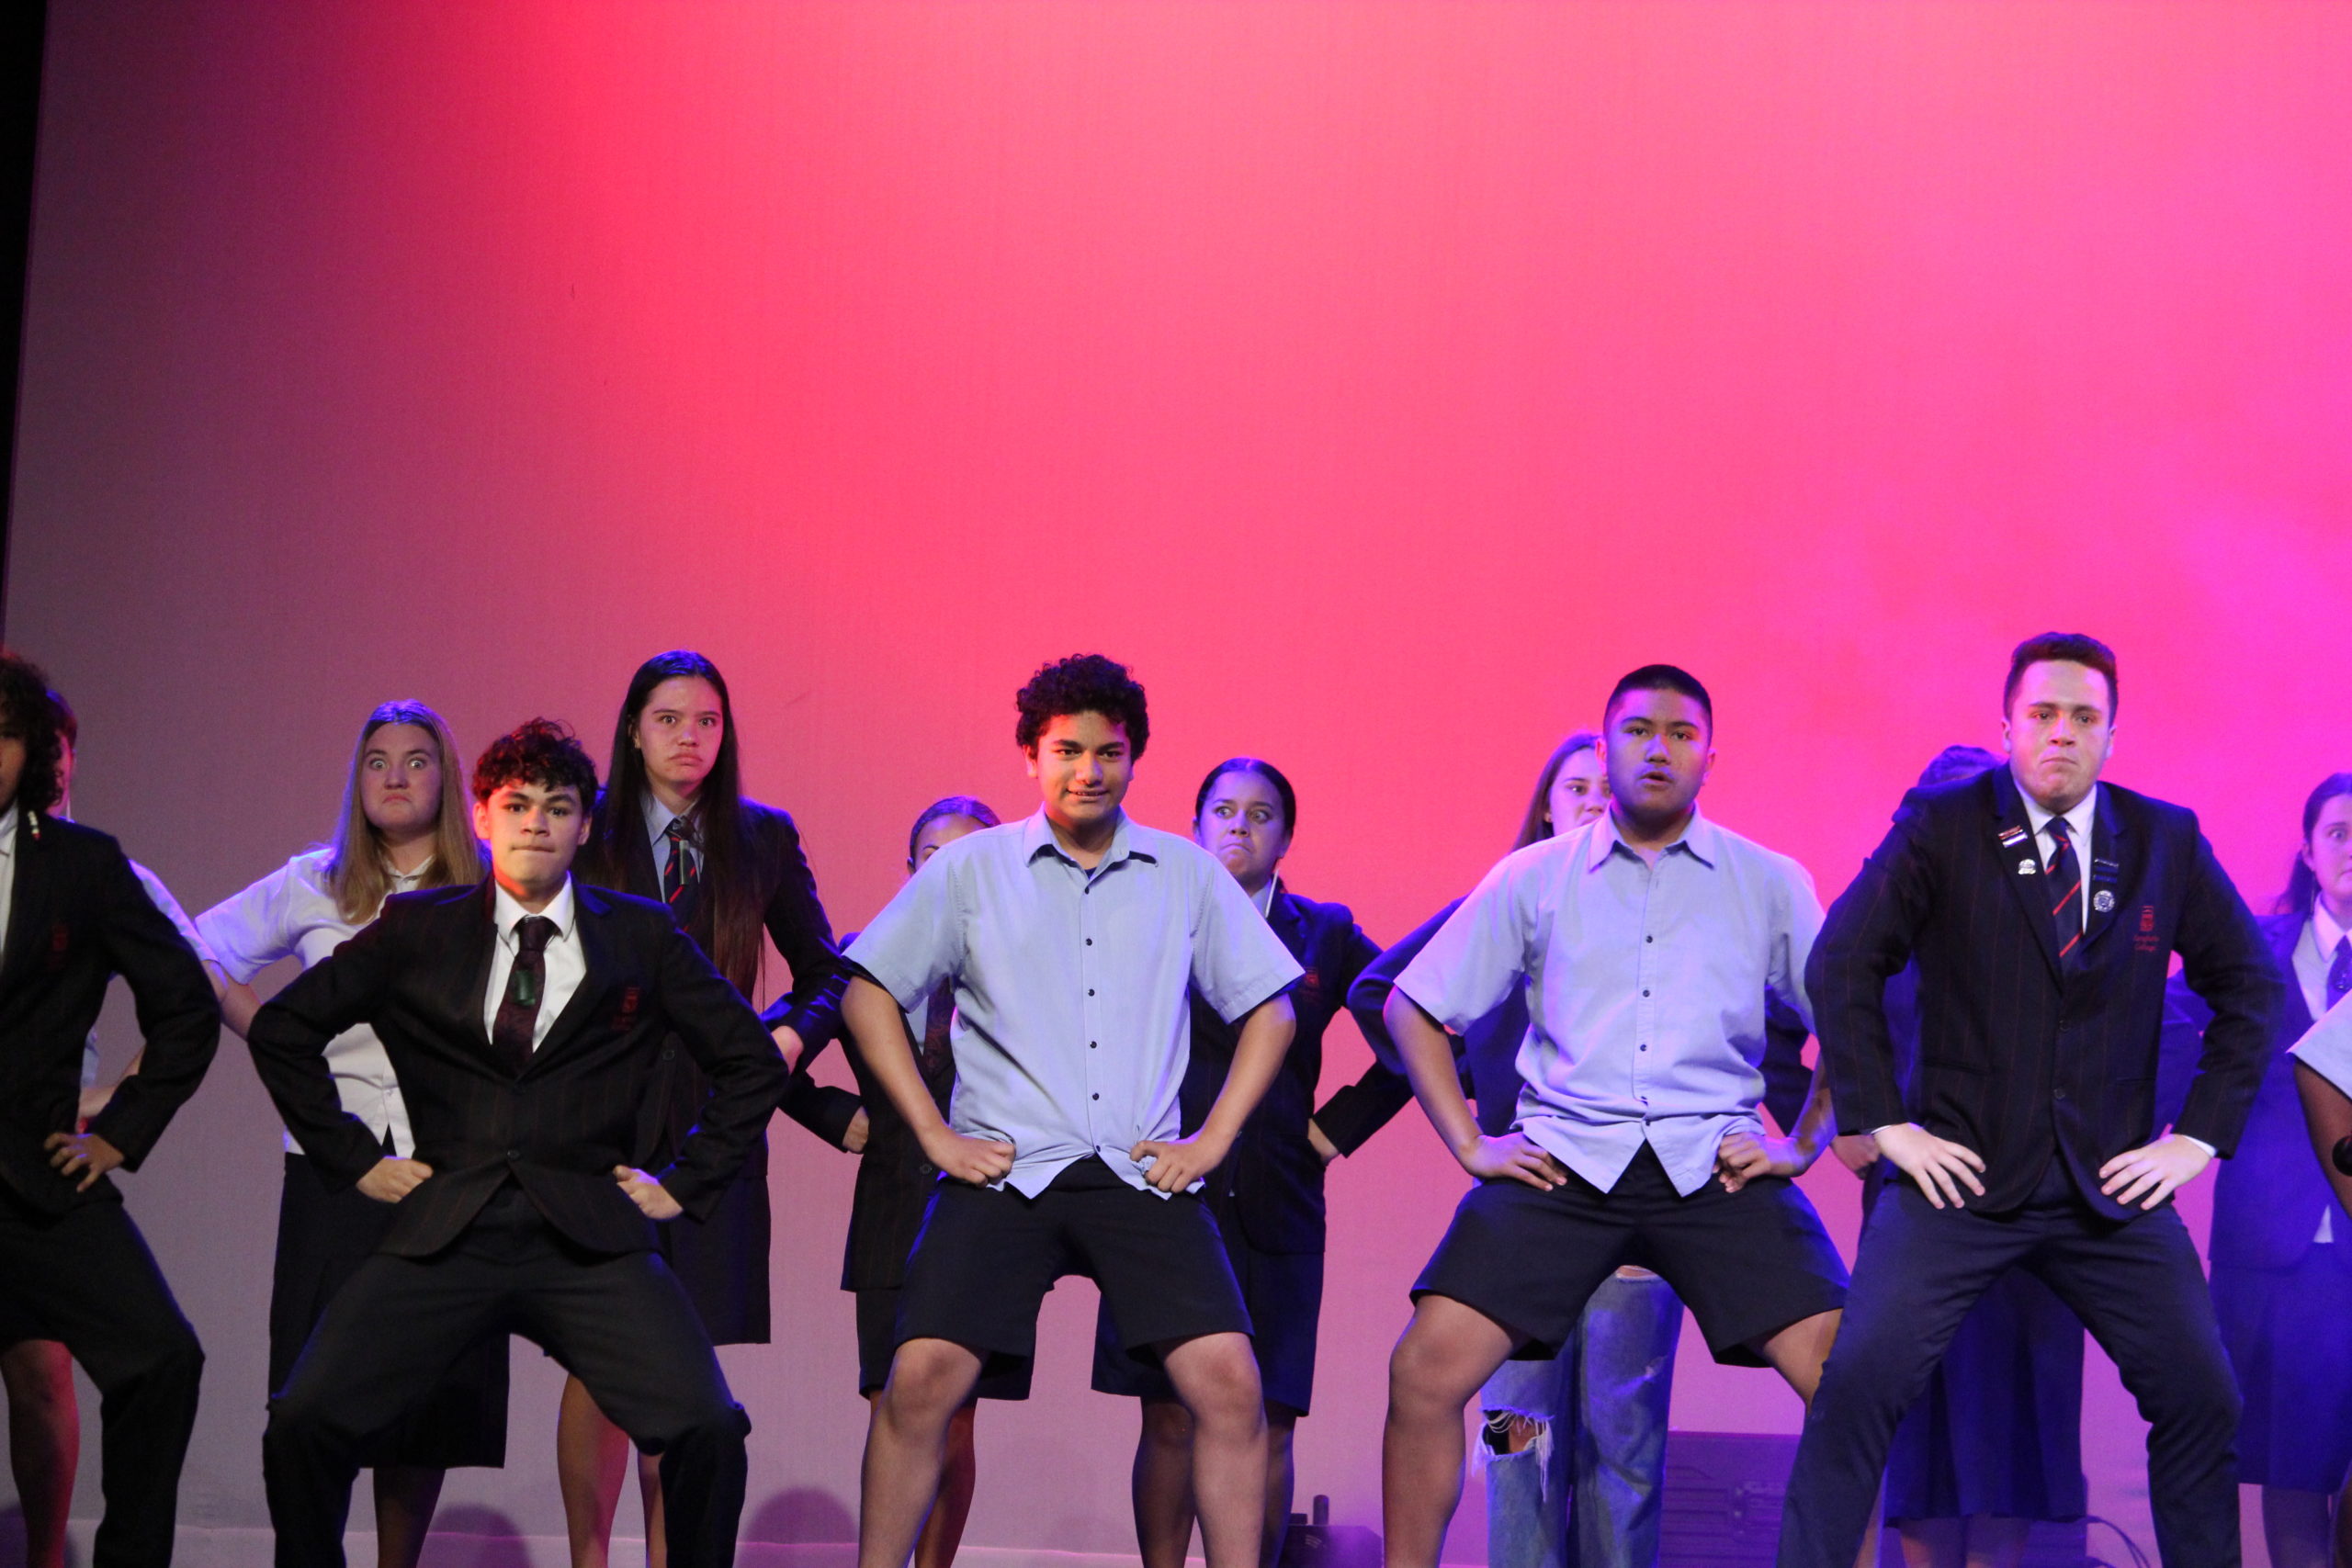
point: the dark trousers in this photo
(620, 1325)
(2135, 1284)
(86, 1279)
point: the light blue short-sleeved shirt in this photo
(1072, 1027)
(1645, 989)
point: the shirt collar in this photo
(563, 909)
(8, 830)
(1701, 840)
(2324, 931)
(2078, 820)
(658, 817)
(1037, 835)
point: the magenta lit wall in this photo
(1380, 379)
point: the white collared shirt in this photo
(2079, 821)
(658, 819)
(1264, 896)
(7, 869)
(2316, 956)
(567, 961)
(292, 913)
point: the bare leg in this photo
(1933, 1543)
(906, 1445)
(44, 1443)
(1217, 1377)
(1281, 1480)
(1161, 1483)
(2295, 1527)
(1445, 1356)
(944, 1531)
(405, 1497)
(590, 1457)
(1995, 1541)
(657, 1517)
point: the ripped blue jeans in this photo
(1587, 1494)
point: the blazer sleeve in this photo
(1787, 1081)
(1865, 940)
(797, 924)
(178, 1018)
(1355, 1111)
(289, 1041)
(821, 1108)
(747, 1075)
(1369, 994)
(2226, 961)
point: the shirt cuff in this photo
(1876, 1131)
(2210, 1153)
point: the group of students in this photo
(526, 1092)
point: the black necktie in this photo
(527, 983)
(2065, 891)
(2339, 977)
(682, 877)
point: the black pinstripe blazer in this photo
(2017, 1056)
(419, 974)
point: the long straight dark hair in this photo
(2302, 885)
(718, 814)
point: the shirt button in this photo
(1090, 1044)
(1089, 990)
(1645, 1045)
(1089, 941)
(514, 1153)
(1649, 938)
(1646, 993)
(1098, 1097)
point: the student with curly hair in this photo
(524, 1019)
(1074, 941)
(74, 1268)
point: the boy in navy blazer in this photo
(2042, 909)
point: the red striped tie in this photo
(2067, 884)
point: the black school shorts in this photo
(985, 1260)
(1747, 1264)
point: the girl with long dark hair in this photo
(673, 824)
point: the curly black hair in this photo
(1084, 683)
(27, 713)
(538, 752)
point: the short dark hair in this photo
(2061, 647)
(1660, 678)
(969, 805)
(1264, 769)
(24, 707)
(1084, 683)
(538, 751)
(1954, 763)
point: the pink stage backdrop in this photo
(1380, 379)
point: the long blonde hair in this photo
(356, 872)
